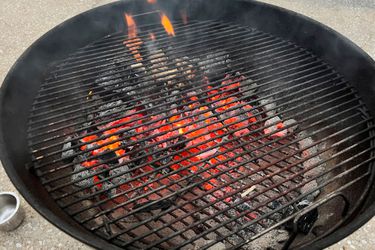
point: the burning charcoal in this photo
(309, 187)
(269, 106)
(108, 186)
(84, 174)
(140, 157)
(293, 125)
(214, 62)
(109, 108)
(307, 153)
(248, 87)
(191, 94)
(112, 81)
(306, 142)
(118, 171)
(185, 67)
(67, 149)
(173, 96)
(277, 124)
(180, 144)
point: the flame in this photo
(152, 1)
(132, 28)
(167, 25)
(133, 43)
(152, 36)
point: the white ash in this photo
(67, 148)
(248, 87)
(274, 239)
(269, 106)
(211, 63)
(121, 179)
(173, 96)
(83, 174)
(271, 129)
(293, 125)
(185, 67)
(306, 144)
(309, 187)
(316, 170)
(110, 108)
(138, 67)
(109, 80)
(109, 187)
(307, 141)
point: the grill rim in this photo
(68, 225)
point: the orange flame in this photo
(132, 28)
(152, 36)
(133, 43)
(167, 25)
(152, 1)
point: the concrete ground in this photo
(23, 21)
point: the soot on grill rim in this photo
(173, 142)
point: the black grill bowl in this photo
(24, 80)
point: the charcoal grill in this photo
(244, 129)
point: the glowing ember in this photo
(167, 25)
(190, 140)
(152, 1)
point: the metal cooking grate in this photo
(98, 134)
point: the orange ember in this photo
(152, 1)
(167, 25)
(193, 136)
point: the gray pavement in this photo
(23, 21)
